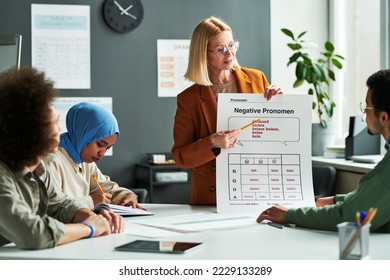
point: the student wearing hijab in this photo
(92, 130)
(35, 214)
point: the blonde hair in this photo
(204, 32)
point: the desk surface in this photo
(346, 165)
(254, 242)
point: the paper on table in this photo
(147, 231)
(199, 222)
(126, 210)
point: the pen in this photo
(97, 182)
(272, 224)
(249, 124)
(360, 222)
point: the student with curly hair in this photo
(35, 214)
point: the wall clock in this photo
(123, 15)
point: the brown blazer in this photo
(195, 121)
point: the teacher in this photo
(214, 69)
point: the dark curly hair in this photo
(379, 83)
(25, 124)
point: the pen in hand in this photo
(249, 124)
(97, 182)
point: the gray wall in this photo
(124, 66)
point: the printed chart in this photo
(271, 161)
(264, 177)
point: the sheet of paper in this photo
(147, 231)
(271, 162)
(128, 211)
(200, 222)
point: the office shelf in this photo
(162, 192)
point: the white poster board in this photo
(60, 44)
(271, 162)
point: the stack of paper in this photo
(335, 152)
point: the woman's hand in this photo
(271, 91)
(101, 198)
(224, 139)
(131, 200)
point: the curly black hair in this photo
(379, 83)
(26, 134)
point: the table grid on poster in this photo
(264, 177)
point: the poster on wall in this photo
(63, 104)
(271, 161)
(172, 60)
(60, 44)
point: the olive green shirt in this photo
(33, 209)
(373, 191)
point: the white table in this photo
(254, 242)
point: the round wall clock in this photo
(123, 15)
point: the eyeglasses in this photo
(233, 48)
(364, 107)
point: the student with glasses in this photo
(214, 69)
(373, 189)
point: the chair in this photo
(141, 193)
(324, 178)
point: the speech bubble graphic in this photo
(268, 129)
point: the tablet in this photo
(151, 246)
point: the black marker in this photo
(272, 224)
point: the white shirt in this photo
(76, 179)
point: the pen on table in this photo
(97, 182)
(272, 224)
(249, 124)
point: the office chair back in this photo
(324, 178)
(141, 193)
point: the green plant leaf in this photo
(319, 71)
(298, 83)
(311, 91)
(331, 75)
(329, 46)
(339, 56)
(321, 61)
(324, 124)
(300, 35)
(337, 63)
(300, 70)
(313, 105)
(288, 33)
(294, 46)
(309, 76)
(328, 107)
(306, 58)
(294, 57)
(319, 91)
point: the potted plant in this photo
(316, 72)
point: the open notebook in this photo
(124, 210)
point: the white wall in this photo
(298, 16)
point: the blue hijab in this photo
(86, 123)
